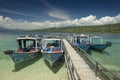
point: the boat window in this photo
(96, 40)
(38, 43)
(26, 44)
(20, 44)
(30, 43)
(78, 41)
(55, 43)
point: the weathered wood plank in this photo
(83, 70)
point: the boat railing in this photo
(36, 36)
(72, 72)
(98, 68)
(97, 39)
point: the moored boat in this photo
(28, 47)
(52, 49)
(81, 41)
(96, 43)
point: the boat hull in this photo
(19, 57)
(84, 47)
(99, 47)
(52, 57)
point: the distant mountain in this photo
(111, 28)
(4, 29)
(9, 30)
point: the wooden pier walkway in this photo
(84, 72)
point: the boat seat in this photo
(32, 50)
(19, 50)
(56, 50)
(47, 49)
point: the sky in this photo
(40, 14)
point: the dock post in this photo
(96, 69)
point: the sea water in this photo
(110, 57)
(38, 68)
(34, 69)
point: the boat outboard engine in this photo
(8, 52)
(109, 44)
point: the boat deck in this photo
(82, 68)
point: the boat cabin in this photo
(51, 45)
(28, 44)
(80, 39)
(96, 40)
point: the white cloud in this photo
(89, 20)
(15, 12)
(107, 20)
(55, 12)
(58, 14)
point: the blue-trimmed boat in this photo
(28, 47)
(81, 41)
(52, 49)
(96, 43)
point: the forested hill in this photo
(112, 28)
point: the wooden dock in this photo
(78, 68)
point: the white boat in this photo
(97, 44)
(81, 41)
(28, 47)
(52, 49)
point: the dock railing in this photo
(72, 73)
(99, 69)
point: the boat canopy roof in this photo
(96, 37)
(51, 39)
(81, 35)
(27, 37)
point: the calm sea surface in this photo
(38, 68)
(110, 57)
(34, 69)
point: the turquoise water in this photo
(38, 68)
(34, 69)
(110, 57)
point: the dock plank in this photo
(83, 70)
